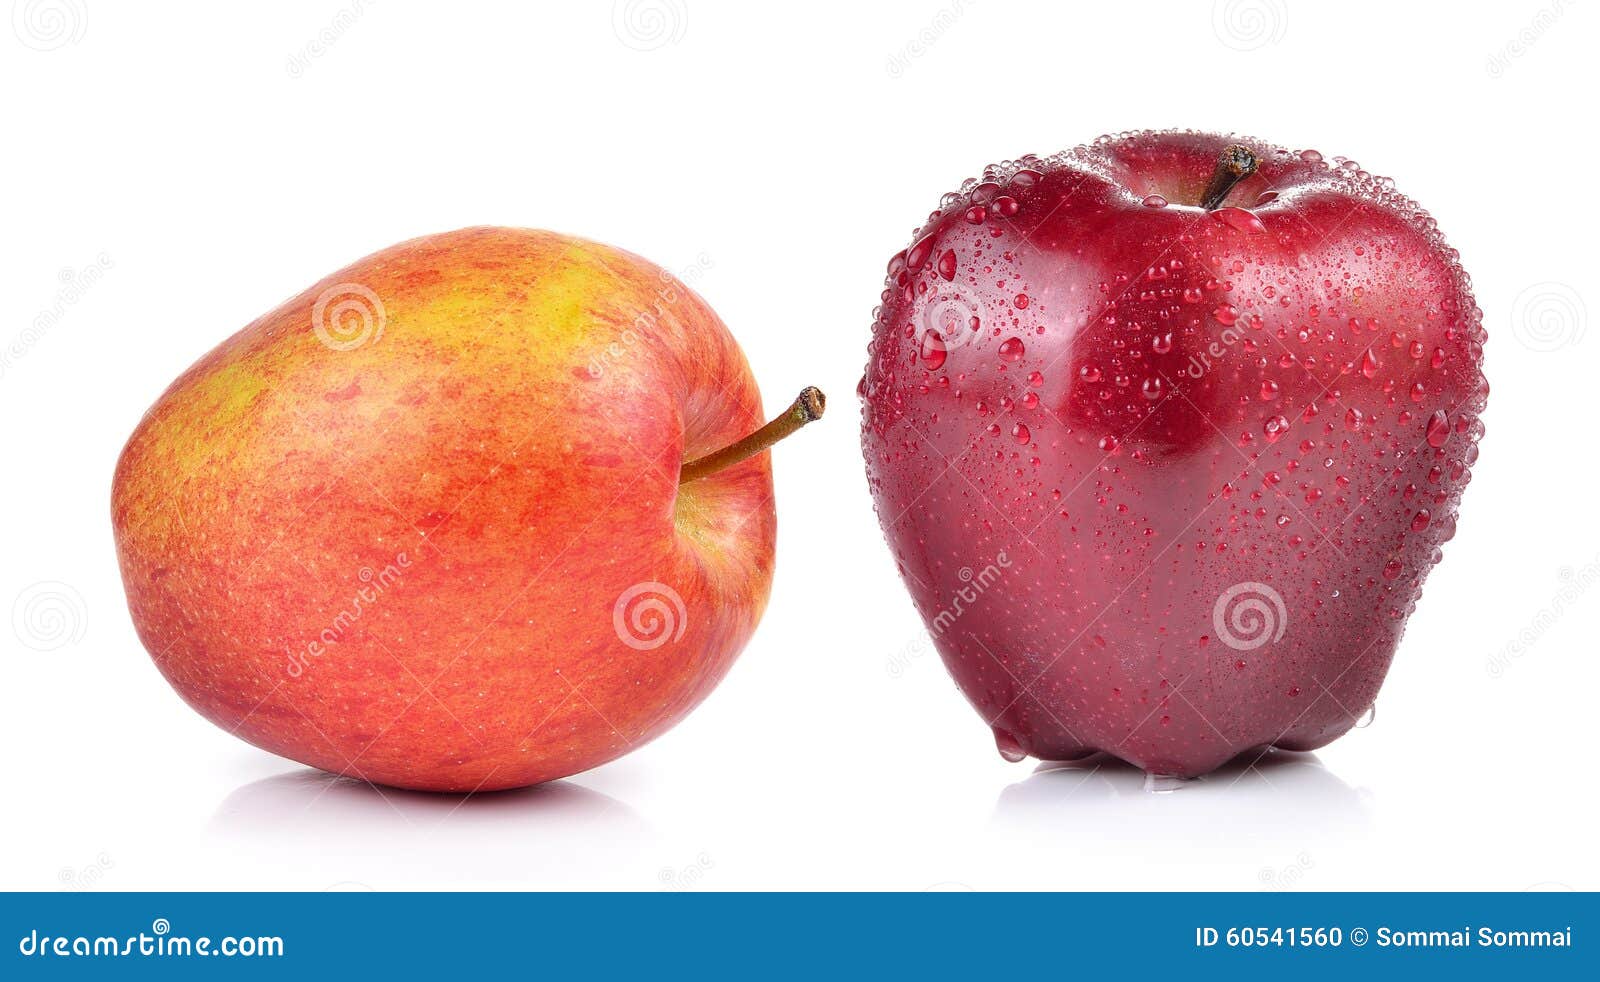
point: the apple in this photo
(1165, 434)
(481, 510)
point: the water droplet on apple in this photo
(1089, 373)
(1239, 220)
(947, 264)
(1226, 315)
(1368, 717)
(1419, 521)
(1438, 429)
(1154, 201)
(917, 255)
(1010, 750)
(1020, 433)
(976, 214)
(933, 351)
(1163, 783)
(1012, 349)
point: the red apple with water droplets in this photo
(1165, 434)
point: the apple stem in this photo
(807, 406)
(1236, 163)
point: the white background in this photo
(213, 160)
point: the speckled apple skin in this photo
(478, 484)
(1164, 419)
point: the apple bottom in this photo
(1170, 694)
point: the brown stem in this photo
(807, 406)
(1236, 163)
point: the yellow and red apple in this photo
(428, 523)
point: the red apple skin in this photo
(515, 433)
(1074, 488)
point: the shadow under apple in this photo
(348, 831)
(1277, 797)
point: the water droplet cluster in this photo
(1141, 404)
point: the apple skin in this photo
(479, 475)
(1174, 495)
